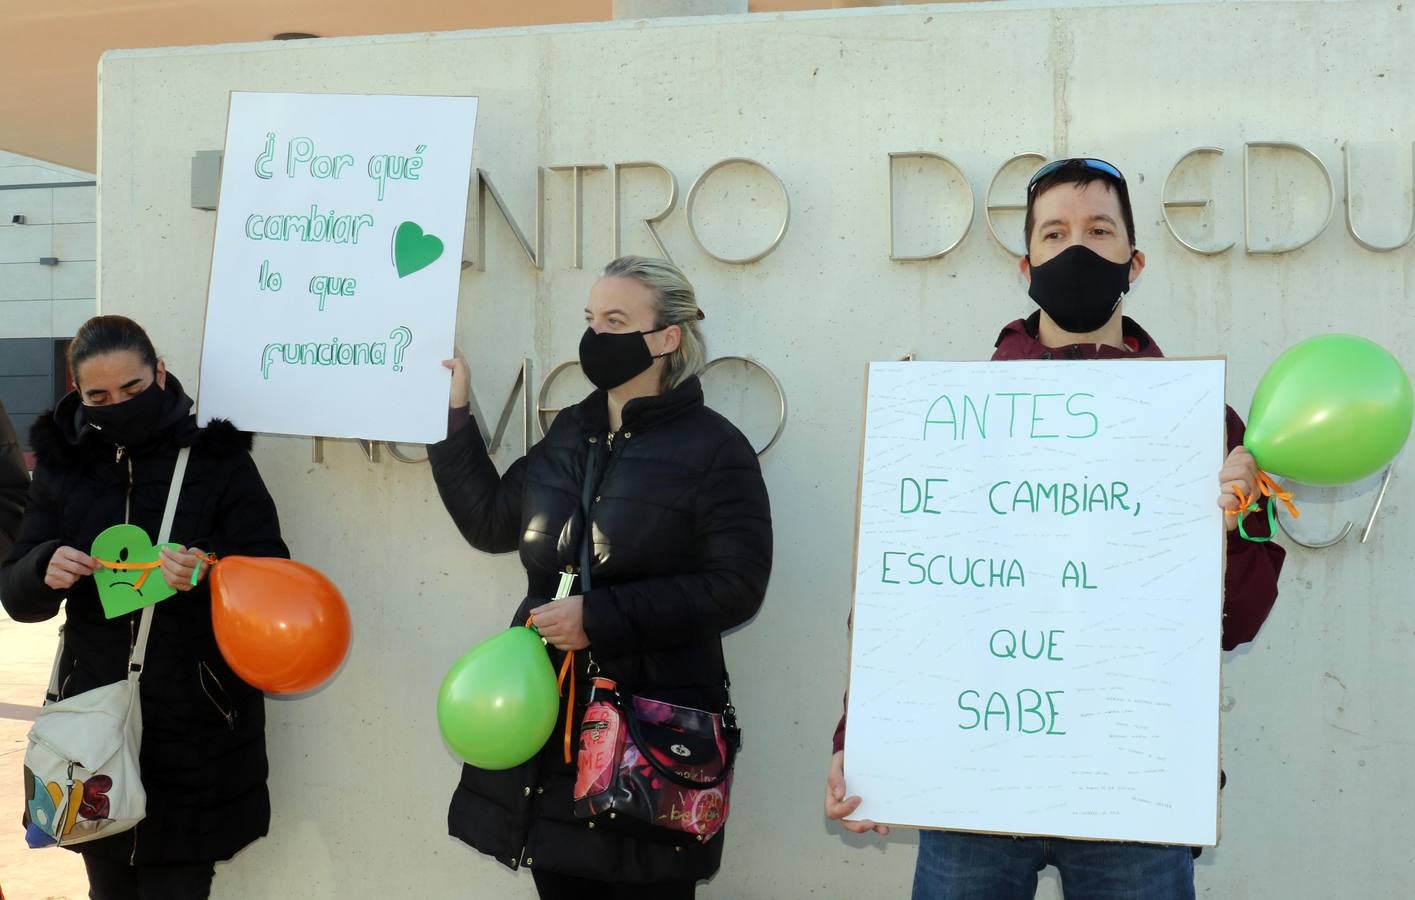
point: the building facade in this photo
(48, 252)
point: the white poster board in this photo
(1038, 599)
(334, 277)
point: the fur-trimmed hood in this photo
(63, 439)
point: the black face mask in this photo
(1079, 288)
(609, 359)
(132, 422)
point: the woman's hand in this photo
(461, 381)
(562, 623)
(67, 566)
(1239, 473)
(178, 566)
(838, 806)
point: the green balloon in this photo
(498, 704)
(1330, 410)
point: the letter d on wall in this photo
(1248, 196)
(935, 216)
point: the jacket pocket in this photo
(216, 693)
(68, 677)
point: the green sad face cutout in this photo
(117, 592)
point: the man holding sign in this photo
(1081, 260)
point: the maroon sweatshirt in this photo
(1250, 577)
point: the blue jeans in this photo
(954, 865)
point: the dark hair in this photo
(1077, 173)
(109, 334)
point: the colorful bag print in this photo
(664, 765)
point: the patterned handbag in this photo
(657, 763)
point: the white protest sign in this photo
(1038, 599)
(333, 295)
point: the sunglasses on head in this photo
(1099, 165)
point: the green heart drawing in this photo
(413, 250)
(116, 591)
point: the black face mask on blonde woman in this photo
(609, 358)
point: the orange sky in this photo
(49, 50)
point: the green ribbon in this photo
(1272, 523)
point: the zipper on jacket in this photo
(609, 442)
(128, 497)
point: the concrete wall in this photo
(41, 303)
(1316, 736)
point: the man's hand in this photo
(1239, 473)
(67, 566)
(838, 806)
(562, 623)
(178, 566)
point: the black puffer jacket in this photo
(14, 483)
(203, 751)
(682, 552)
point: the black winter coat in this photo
(682, 552)
(203, 751)
(14, 483)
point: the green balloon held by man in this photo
(1331, 410)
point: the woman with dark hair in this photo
(678, 542)
(106, 455)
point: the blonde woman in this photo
(680, 552)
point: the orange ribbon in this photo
(567, 668)
(119, 567)
(147, 567)
(1247, 503)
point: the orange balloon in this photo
(282, 626)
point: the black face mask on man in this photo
(609, 359)
(132, 422)
(1079, 288)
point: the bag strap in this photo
(585, 539)
(52, 695)
(135, 661)
(731, 732)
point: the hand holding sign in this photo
(461, 393)
(839, 807)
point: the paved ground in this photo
(26, 653)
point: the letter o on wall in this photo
(693, 196)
